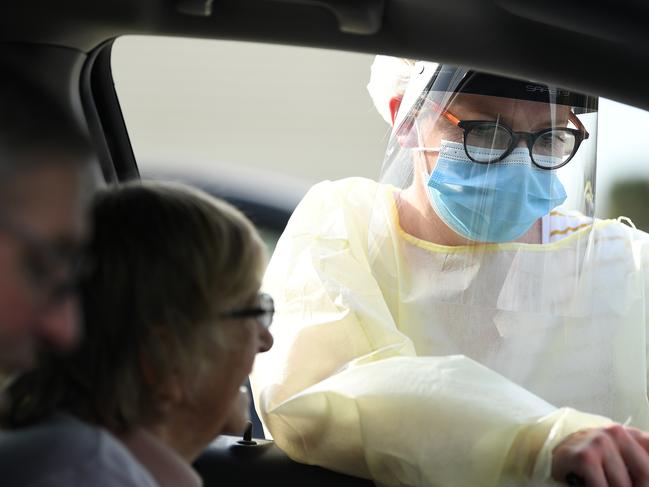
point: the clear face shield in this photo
(493, 156)
(483, 240)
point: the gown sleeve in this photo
(343, 388)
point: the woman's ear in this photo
(167, 388)
(170, 393)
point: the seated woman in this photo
(174, 320)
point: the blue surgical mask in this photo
(496, 202)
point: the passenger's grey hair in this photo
(166, 261)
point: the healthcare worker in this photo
(464, 321)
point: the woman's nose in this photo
(265, 339)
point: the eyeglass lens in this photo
(488, 142)
(268, 306)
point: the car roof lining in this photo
(602, 49)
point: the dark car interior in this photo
(599, 47)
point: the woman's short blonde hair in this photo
(165, 259)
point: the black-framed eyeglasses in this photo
(488, 141)
(263, 312)
(53, 269)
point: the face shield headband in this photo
(444, 81)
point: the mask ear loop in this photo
(441, 113)
(420, 147)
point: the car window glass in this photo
(258, 124)
(623, 163)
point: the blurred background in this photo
(261, 124)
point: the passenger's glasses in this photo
(263, 312)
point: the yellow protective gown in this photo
(418, 364)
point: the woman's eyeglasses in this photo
(263, 312)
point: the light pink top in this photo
(162, 462)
